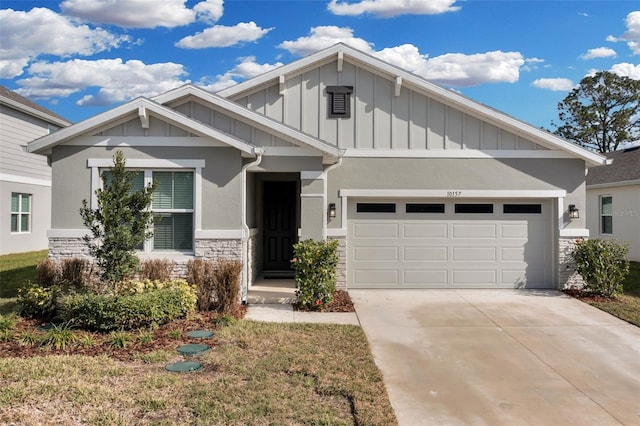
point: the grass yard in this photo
(16, 269)
(257, 374)
(627, 305)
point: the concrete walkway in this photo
(285, 313)
(501, 357)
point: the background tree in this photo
(601, 113)
(119, 224)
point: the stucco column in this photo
(312, 208)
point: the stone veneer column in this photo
(341, 279)
(568, 277)
(67, 247)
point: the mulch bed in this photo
(162, 339)
(341, 303)
(590, 297)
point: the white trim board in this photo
(150, 163)
(4, 177)
(128, 141)
(455, 153)
(568, 232)
(451, 193)
(218, 234)
(614, 184)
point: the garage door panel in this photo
(376, 230)
(425, 254)
(474, 277)
(425, 230)
(515, 230)
(468, 254)
(422, 277)
(474, 230)
(515, 254)
(376, 277)
(364, 254)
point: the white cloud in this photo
(247, 68)
(224, 36)
(599, 52)
(455, 69)
(142, 13)
(324, 36)
(390, 8)
(627, 70)
(118, 80)
(632, 35)
(26, 35)
(554, 84)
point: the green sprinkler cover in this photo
(184, 367)
(200, 334)
(192, 349)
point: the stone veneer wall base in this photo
(568, 277)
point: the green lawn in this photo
(258, 374)
(16, 269)
(625, 306)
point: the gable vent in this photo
(339, 101)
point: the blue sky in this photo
(81, 57)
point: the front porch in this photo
(272, 291)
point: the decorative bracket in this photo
(340, 61)
(144, 117)
(398, 85)
(281, 81)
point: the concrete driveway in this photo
(501, 357)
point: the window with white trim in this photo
(606, 214)
(20, 212)
(173, 208)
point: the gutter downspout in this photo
(245, 228)
(325, 197)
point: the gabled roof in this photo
(143, 107)
(244, 114)
(342, 52)
(16, 101)
(624, 168)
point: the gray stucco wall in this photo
(36, 238)
(221, 181)
(459, 174)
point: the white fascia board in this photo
(27, 180)
(135, 141)
(574, 233)
(454, 153)
(218, 234)
(67, 233)
(34, 112)
(247, 116)
(614, 184)
(132, 107)
(429, 89)
(454, 193)
(146, 163)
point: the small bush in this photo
(175, 334)
(7, 327)
(59, 336)
(141, 305)
(603, 264)
(119, 339)
(315, 266)
(227, 285)
(38, 301)
(86, 339)
(225, 321)
(145, 337)
(200, 273)
(29, 338)
(156, 269)
(48, 273)
(76, 273)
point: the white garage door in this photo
(457, 244)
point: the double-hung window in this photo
(606, 214)
(20, 212)
(173, 208)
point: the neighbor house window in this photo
(20, 212)
(606, 214)
(339, 101)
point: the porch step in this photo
(272, 291)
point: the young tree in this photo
(601, 113)
(119, 224)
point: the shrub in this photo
(59, 336)
(48, 273)
(29, 338)
(7, 327)
(227, 285)
(140, 304)
(200, 273)
(76, 273)
(119, 339)
(315, 264)
(156, 269)
(175, 334)
(38, 301)
(603, 264)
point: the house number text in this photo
(454, 194)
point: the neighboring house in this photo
(423, 187)
(25, 179)
(613, 200)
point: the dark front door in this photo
(278, 225)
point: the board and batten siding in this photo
(201, 113)
(18, 129)
(379, 118)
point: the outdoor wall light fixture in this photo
(574, 213)
(332, 209)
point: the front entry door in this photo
(278, 226)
